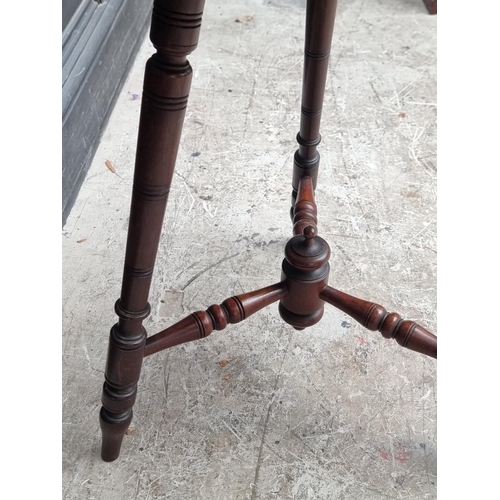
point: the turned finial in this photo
(310, 232)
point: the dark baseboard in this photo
(99, 46)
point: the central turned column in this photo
(304, 272)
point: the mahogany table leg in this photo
(320, 18)
(175, 28)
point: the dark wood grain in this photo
(375, 317)
(305, 212)
(305, 270)
(175, 28)
(320, 19)
(202, 323)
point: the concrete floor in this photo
(335, 411)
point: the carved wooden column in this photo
(175, 28)
(320, 18)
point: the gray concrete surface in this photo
(335, 411)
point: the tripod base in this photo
(303, 290)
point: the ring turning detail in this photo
(303, 289)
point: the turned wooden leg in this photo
(175, 28)
(320, 18)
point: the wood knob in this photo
(310, 232)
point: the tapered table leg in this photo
(320, 18)
(175, 28)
